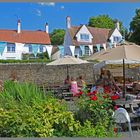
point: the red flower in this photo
(114, 97)
(80, 93)
(94, 92)
(89, 93)
(94, 98)
(115, 130)
(106, 89)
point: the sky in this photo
(33, 16)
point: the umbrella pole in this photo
(67, 71)
(124, 88)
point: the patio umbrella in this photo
(68, 60)
(128, 53)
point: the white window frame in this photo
(116, 39)
(87, 51)
(11, 47)
(84, 37)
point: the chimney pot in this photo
(19, 27)
(46, 28)
(117, 25)
(68, 22)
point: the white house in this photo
(15, 43)
(84, 40)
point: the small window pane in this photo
(10, 47)
(41, 49)
(30, 49)
(84, 36)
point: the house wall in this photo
(116, 33)
(84, 30)
(13, 55)
(42, 74)
(19, 49)
(67, 43)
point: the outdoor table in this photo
(129, 104)
(135, 119)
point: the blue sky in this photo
(34, 15)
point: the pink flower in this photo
(115, 107)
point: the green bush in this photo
(26, 61)
(28, 56)
(26, 111)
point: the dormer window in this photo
(84, 37)
(116, 39)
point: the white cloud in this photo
(47, 3)
(38, 13)
(62, 7)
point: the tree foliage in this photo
(135, 27)
(104, 21)
(57, 36)
(101, 21)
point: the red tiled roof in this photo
(100, 35)
(35, 37)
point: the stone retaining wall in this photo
(42, 74)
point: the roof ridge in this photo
(23, 30)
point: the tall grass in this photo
(15, 93)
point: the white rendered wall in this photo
(116, 33)
(20, 49)
(84, 30)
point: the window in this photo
(11, 47)
(116, 39)
(95, 49)
(30, 48)
(84, 37)
(87, 50)
(41, 49)
(78, 51)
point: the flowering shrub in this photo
(98, 109)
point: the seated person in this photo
(74, 87)
(81, 83)
(67, 81)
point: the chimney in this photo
(68, 22)
(117, 25)
(46, 28)
(19, 27)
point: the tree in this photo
(101, 21)
(135, 28)
(57, 36)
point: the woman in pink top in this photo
(74, 86)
